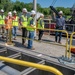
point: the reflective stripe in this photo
(24, 22)
(15, 22)
(42, 24)
(2, 22)
(29, 28)
(9, 24)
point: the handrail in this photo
(71, 37)
(66, 52)
(30, 64)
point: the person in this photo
(8, 25)
(31, 28)
(23, 23)
(60, 23)
(15, 24)
(40, 26)
(2, 22)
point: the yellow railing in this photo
(64, 31)
(67, 53)
(71, 37)
(30, 64)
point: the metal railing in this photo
(64, 31)
(71, 38)
(30, 64)
(67, 52)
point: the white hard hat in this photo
(24, 10)
(9, 13)
(41, 14)
(60, 12)
(14, 11)
(2, 10)
(33, 12)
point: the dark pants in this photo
(30, 42)
(2, 30)
(58, 34)
(24, 35)
(40, 34)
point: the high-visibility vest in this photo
(24, 20)
(40, 26)
(15, 21)
(29, 28)
(2, 22)
(9, 23)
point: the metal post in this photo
(35, 8)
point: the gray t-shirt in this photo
(60, 21)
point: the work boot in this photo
(14, 39)
(59, 42)
(2, 37)
(32, 48)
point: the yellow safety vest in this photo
(24, 22)
(15, 22)
(42, 24)
(2, 22)
(29, 28)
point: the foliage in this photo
(8, 5)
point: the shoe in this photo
(39, 40)
(24, 44)
(32, 48)
(14, 38)
(2, 37)
(59, 42)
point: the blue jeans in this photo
(58, 34)
(30, 42)
(14, 31)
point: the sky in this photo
(47, 3)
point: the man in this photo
(2, 22)
(31, 28)
(8, 26)
(15, 24)
(24, 22)
(40, 26)
(60, 23)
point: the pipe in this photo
(30, 64)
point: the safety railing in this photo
(71, 38)
(30, 64)
(67, 53)
(64, 31)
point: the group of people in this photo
(28, 25)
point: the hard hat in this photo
(33, 12)
(41, 14)
(9, 13)
(2, 10)
(60, 12)
(24, 10)
(14, 11)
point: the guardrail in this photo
(71, 38)
(64, 31)
(67, 53)
(30, 64)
